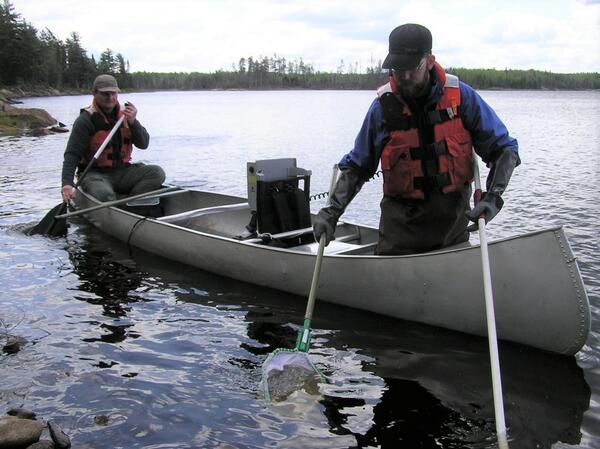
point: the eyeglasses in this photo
(413, 71)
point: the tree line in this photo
(32, 57)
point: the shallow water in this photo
(129, 351)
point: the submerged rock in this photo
(13, 344)
(21, 413)
(101, 420)
(42, 444)
(17, 433)
(61, 439)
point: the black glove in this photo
(489, 205)
(497, 180)
(324, 224)
(347, 186)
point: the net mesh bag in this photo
(286, 371)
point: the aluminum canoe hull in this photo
(539, 296)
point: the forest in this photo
(31, 57)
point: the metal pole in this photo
(491, 320)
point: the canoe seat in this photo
(202, 211)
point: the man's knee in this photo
(153, 174)
(156, 173)
(99, 188)
(142, 178)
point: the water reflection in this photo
(414, 385)
(112, 282)
(440, 382)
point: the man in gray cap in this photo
(113, 171)
(422, 127)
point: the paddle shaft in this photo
(491, 319)
(100, 150)
(157, 193)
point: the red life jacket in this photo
(103, 126)
(409, 167)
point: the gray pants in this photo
(105, 183)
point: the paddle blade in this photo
(51, 226)
(287, 371)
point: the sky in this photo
(562, 36)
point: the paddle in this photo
(50, 225)
(491, 319)
(287, 370)
(156, 193)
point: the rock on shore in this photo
(34, 121)
(19, 429)
(18, 433)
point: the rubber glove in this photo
(347, 186)
(496, 183)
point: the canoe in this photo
(540, 299)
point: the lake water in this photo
(129, 351)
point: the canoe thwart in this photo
(153, 194)
(202, 211)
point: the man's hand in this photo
(323, 225)
(489, 205)
(130, 112)
(68, 193)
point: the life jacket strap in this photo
(438, 116)
(430, 152)
(429, 183)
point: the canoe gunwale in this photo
(361, 256)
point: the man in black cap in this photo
(113, 171)
(422, 127)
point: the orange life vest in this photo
(411, 168)
(103, 126)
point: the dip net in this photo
(286, 371)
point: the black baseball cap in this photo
(408, 43)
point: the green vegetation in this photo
(8, 125)
(5, 121)
(29, 57)
(32, 57)
(526, 79)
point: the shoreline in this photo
(11, 94)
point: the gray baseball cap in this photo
(106, 83)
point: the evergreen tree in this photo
(79, 70)
(108, 63)
(54, 59)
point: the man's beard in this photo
(414, 90)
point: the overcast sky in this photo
(206, 35)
